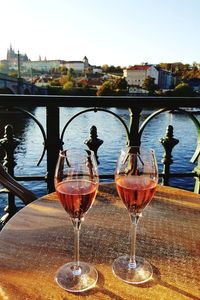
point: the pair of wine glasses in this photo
(76, 184)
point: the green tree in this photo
(4, 67)
(112, 69)
(105, 68)
(106, 89)
(68, 86)
(54, 82)
(64, 79)
(120, 84)
(149, 85)
(13, 74)
(183, 90)
(70, 73)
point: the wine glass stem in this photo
(134, 221)
(77, 225)
(76, 246)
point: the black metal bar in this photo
(180, 175)
(53, 142)
(168, 142)
(100, 101)
(30, 178)
(9, 143)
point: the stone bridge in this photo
(10, 85)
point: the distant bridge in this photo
(11, 85)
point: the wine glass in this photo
(76, 183)
(136, 178)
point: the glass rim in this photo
(141, 148)
(63, 152)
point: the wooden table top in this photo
(39, 239)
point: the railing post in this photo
(197, 176)
(9, 143)
(53, 142)
(197, 179)
(134, 113)
(168, 143)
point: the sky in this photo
(113, 32)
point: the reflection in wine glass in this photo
(136, 178)
(76, 183)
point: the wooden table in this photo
(39, 239)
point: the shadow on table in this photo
(158, 280)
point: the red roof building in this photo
(135, 75)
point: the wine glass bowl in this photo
(76, 183)
(136, 178)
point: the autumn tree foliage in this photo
(106, 89)
(183, 71)
(149, 85)
(113, 86)
(183, 89)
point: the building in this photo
(194, 83)
(42, 65)
(47, 65)
(12, 58)
(165, 79)
(135, 75)
(78, 65)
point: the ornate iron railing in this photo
(53, 136)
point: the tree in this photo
(54, 82)
(64, 79)
(183, 90)
(112, 69)
(4, 67)
(120, 84)
(149, 85)
(105, 68)
(67, 78)
(13, 74)
(106, 89)
(70, 73)
(68, 86)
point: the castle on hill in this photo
(43, 65)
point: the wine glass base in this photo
(130, 273)
(72, 280)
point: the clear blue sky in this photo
(113, 32)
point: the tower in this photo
(86, 62)
(10, 53)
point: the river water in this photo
(110, 130)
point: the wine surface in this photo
(135, 191)
(76, 196)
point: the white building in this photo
(135, 75)
(77, 65)
(47, 65)
(43, 65)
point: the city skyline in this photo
(123, 33)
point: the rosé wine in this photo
(76, 196)
(135, 191)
